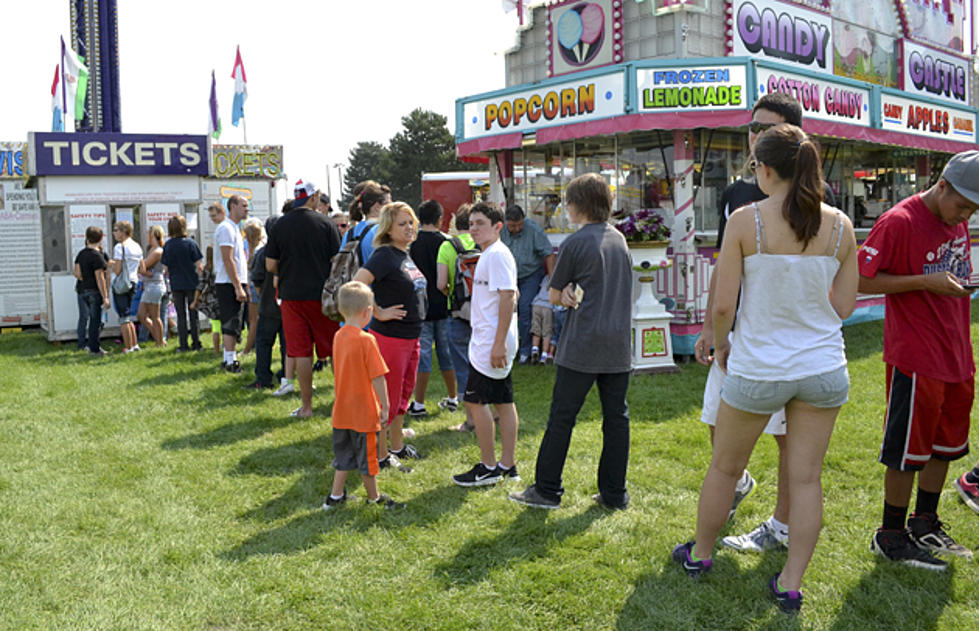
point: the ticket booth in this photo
(97, 179)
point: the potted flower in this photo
(647, 235)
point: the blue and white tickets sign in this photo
(117, 154)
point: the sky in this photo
(322, 75)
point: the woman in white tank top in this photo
(793, 261)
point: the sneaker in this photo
(968, 491)
(99, 353)
(480, 475)
(789, 601)
(531, 497)
(896, 545)
(196, 347)
(318, 366)
(284, 389)
(127, 351)
(392, 462)
(258, 385)
(927, 533)
(386, 502)
(748, 485)
(523, 360)
(508, 474)
(694, 569)
(407, 451)
(760, 539)
(331, 503)
(450, 404)
(534, 355)
(416, 410)
(232, 367)
(597, 497)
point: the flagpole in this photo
(244, 128)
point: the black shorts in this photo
(229, 309)
(484, 390)
(353, 450)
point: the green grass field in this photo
(153, 492)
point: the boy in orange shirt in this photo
(361, 398)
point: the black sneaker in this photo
(480, 475)
(318, 366)
(332, 503)
(508, 474)
(530, 496)
(416, 410)
(897, 546)
(601, 502)
(927, 533)
(694, 569)
(407, 451)
(392, 462)
(196, 347)
(386, 502)
(789, 601)
(232, 367)
(258, 385)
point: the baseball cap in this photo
(962, 172)
(302, 192)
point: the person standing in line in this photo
(595, 347)
(126, 255)
(269, 318)
(369, 198)
(184, 262)
(492, 349)
(154, 285)
(918, 254)
(792, 259)
(93, 291)
(968, 487)
(435, 329)
(534, 254)
(300, 251)
(254, 239)
(231, 275)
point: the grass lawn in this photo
(153, 492)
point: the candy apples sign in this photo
(927, 119)
(782, 32)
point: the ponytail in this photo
(803, 205)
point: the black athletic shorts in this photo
(230, 310)
(484, 390)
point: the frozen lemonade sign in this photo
(783, 32)
(824, 100)
(670, 89)
(574, 102)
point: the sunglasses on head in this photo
(756, 128)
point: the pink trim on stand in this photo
(643, 122)
(884, 136)
(489, 143)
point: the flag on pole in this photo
(213, 120)
(57, 102)
(241, 89)
(74, 85)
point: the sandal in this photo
(297, 413)
(463, 427)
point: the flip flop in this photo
(296, 413)
(463, 427)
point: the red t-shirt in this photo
(356, 362)
(923, 332)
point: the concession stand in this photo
(250, 171)
(656, 95)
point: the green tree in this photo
(367, 161)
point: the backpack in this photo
(460, 297)
(343, 268)
(207, 300)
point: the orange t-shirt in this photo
(356, 363)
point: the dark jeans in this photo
(528, 286)
(459, 333)
(265, 333)
(181, 302)
(570, 389)
(89, 319)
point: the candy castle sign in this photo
(783, 32)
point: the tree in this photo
(367, 161)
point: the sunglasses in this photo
(342, 225)
(756, 128)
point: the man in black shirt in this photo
(300, 251)
(92, 289)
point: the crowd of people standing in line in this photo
(789, 269)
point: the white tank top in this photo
(786, 327)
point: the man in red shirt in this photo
(919, 255)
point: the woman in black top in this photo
(92, 289)
(184, 263)
(400, 297)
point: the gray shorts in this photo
(828, 390)
(350, 451)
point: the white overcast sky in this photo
(322, 75)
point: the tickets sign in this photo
(783, 32)
(931, 73)
(574, 102)
(232, 161)
(117, 154)
(823, 100)
(12, 160)
(927, 119)
(677, 89)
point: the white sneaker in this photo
(284, 389)
(760, 539)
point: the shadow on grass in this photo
(311, 529)
(176, 374)
(229, 433)
(531, 535)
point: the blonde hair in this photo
(389, 214)
(124, 227)
(158, 234)
(353, 298)
(254, 233)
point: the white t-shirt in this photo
(496, 271)
(227, 233)
(134, 254)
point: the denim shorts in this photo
(153, 293)
(436, 331)
(827, 390)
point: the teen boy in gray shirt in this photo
(594, 267)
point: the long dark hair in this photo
(795, 157)
(366, 194)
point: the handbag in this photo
(121, 284)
